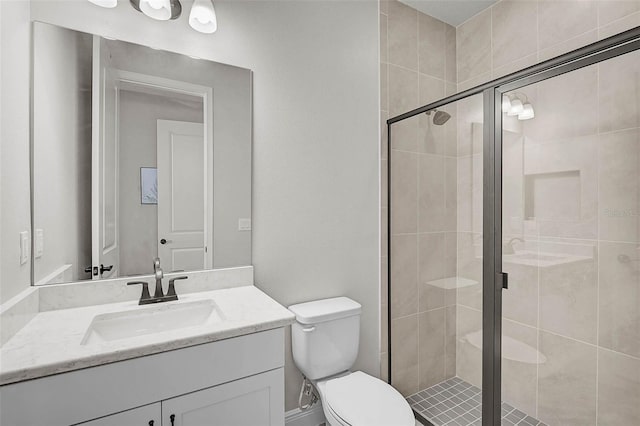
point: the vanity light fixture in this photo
(517, 104)
(105, 3)
(161, 10)
(203, 17)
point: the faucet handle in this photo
(172, 289)
(145, 296)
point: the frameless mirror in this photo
(136, 153)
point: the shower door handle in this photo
(503, 280)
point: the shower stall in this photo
(514, 246)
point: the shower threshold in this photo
(456, 402)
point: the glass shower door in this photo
(435, 302)
(570, 245)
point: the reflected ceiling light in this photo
(203, 17)
(506, 103)
(516, 107)
(517, 104)
(527, 112)
(105, 3)
(161, 10)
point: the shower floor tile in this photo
(455, 402)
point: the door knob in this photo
(165, 241)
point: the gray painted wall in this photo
(14, 144)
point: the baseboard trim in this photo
(311, 417)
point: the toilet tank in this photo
(325, 336)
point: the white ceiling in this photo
(453, 12)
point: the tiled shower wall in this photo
(418, 66)
(571, 300)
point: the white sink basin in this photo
(154, 319)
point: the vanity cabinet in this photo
(236, 381)
(249, 401)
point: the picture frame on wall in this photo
(148, 185)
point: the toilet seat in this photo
(357, 399)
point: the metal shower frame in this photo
(492, 276)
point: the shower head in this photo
(439, 117)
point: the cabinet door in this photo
(147, 415)
(255, 400)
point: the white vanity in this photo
(212, 357)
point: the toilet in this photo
(325, 339)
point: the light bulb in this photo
(516, 107)
(203, 17)
(156, 4)
(527, 112)
(156, 9)
(506, 103)
(105, 3)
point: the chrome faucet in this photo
(508, 247)
(158, 294)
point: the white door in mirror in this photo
(181, 195)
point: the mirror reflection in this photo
(137, 153)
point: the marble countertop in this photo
(51, 342)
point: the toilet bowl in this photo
(325, 340)
(355, 399)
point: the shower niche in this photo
(552, 196)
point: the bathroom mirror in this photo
(136, 153)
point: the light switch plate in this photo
(24, 247)
(39, 249)
(244, 224)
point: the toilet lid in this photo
(363, 400)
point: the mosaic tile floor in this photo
(455, 402)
